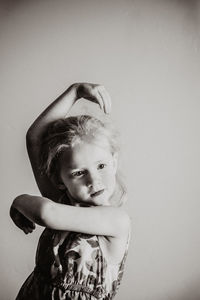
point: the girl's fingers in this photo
(105, 97)
(99, 99)
(96, 93)
(107, 100)
(28, 230)
(31, 226)
(25, 230)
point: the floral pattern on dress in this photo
(71, 265)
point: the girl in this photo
(82, 251)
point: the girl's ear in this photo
(115, 161)
(61, 186)
(58, 182)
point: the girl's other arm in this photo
(98, 220)
(57, 110)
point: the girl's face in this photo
(88, 171)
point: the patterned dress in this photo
(71, 265)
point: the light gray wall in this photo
(147, 55)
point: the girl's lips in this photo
(97, 193)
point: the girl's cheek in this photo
(80, 188)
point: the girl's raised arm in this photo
(56, 110)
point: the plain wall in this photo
(147, 55)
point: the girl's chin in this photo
(100, 202)
(92, 202)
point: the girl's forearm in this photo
(109, 221)
(56, 110)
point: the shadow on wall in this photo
(188, 292)
(191, 6)
(193, 9)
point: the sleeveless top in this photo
(71, 265)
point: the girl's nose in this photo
(93, 180)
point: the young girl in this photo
(82, 251)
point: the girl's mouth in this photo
(97, 193)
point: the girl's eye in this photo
(101, 166)
(78, 173)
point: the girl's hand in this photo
(21, 221)
(95, 93)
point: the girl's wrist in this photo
(79, 89)
(73, 90)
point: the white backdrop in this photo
(147, 55)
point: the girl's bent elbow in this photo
(31, 138)
(19, 201)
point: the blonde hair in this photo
(65, 133)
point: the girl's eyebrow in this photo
(73, 167)
(101, 161)
(70, 167)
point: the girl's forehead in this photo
(92, 142)
(85, 153)
(93, 139)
